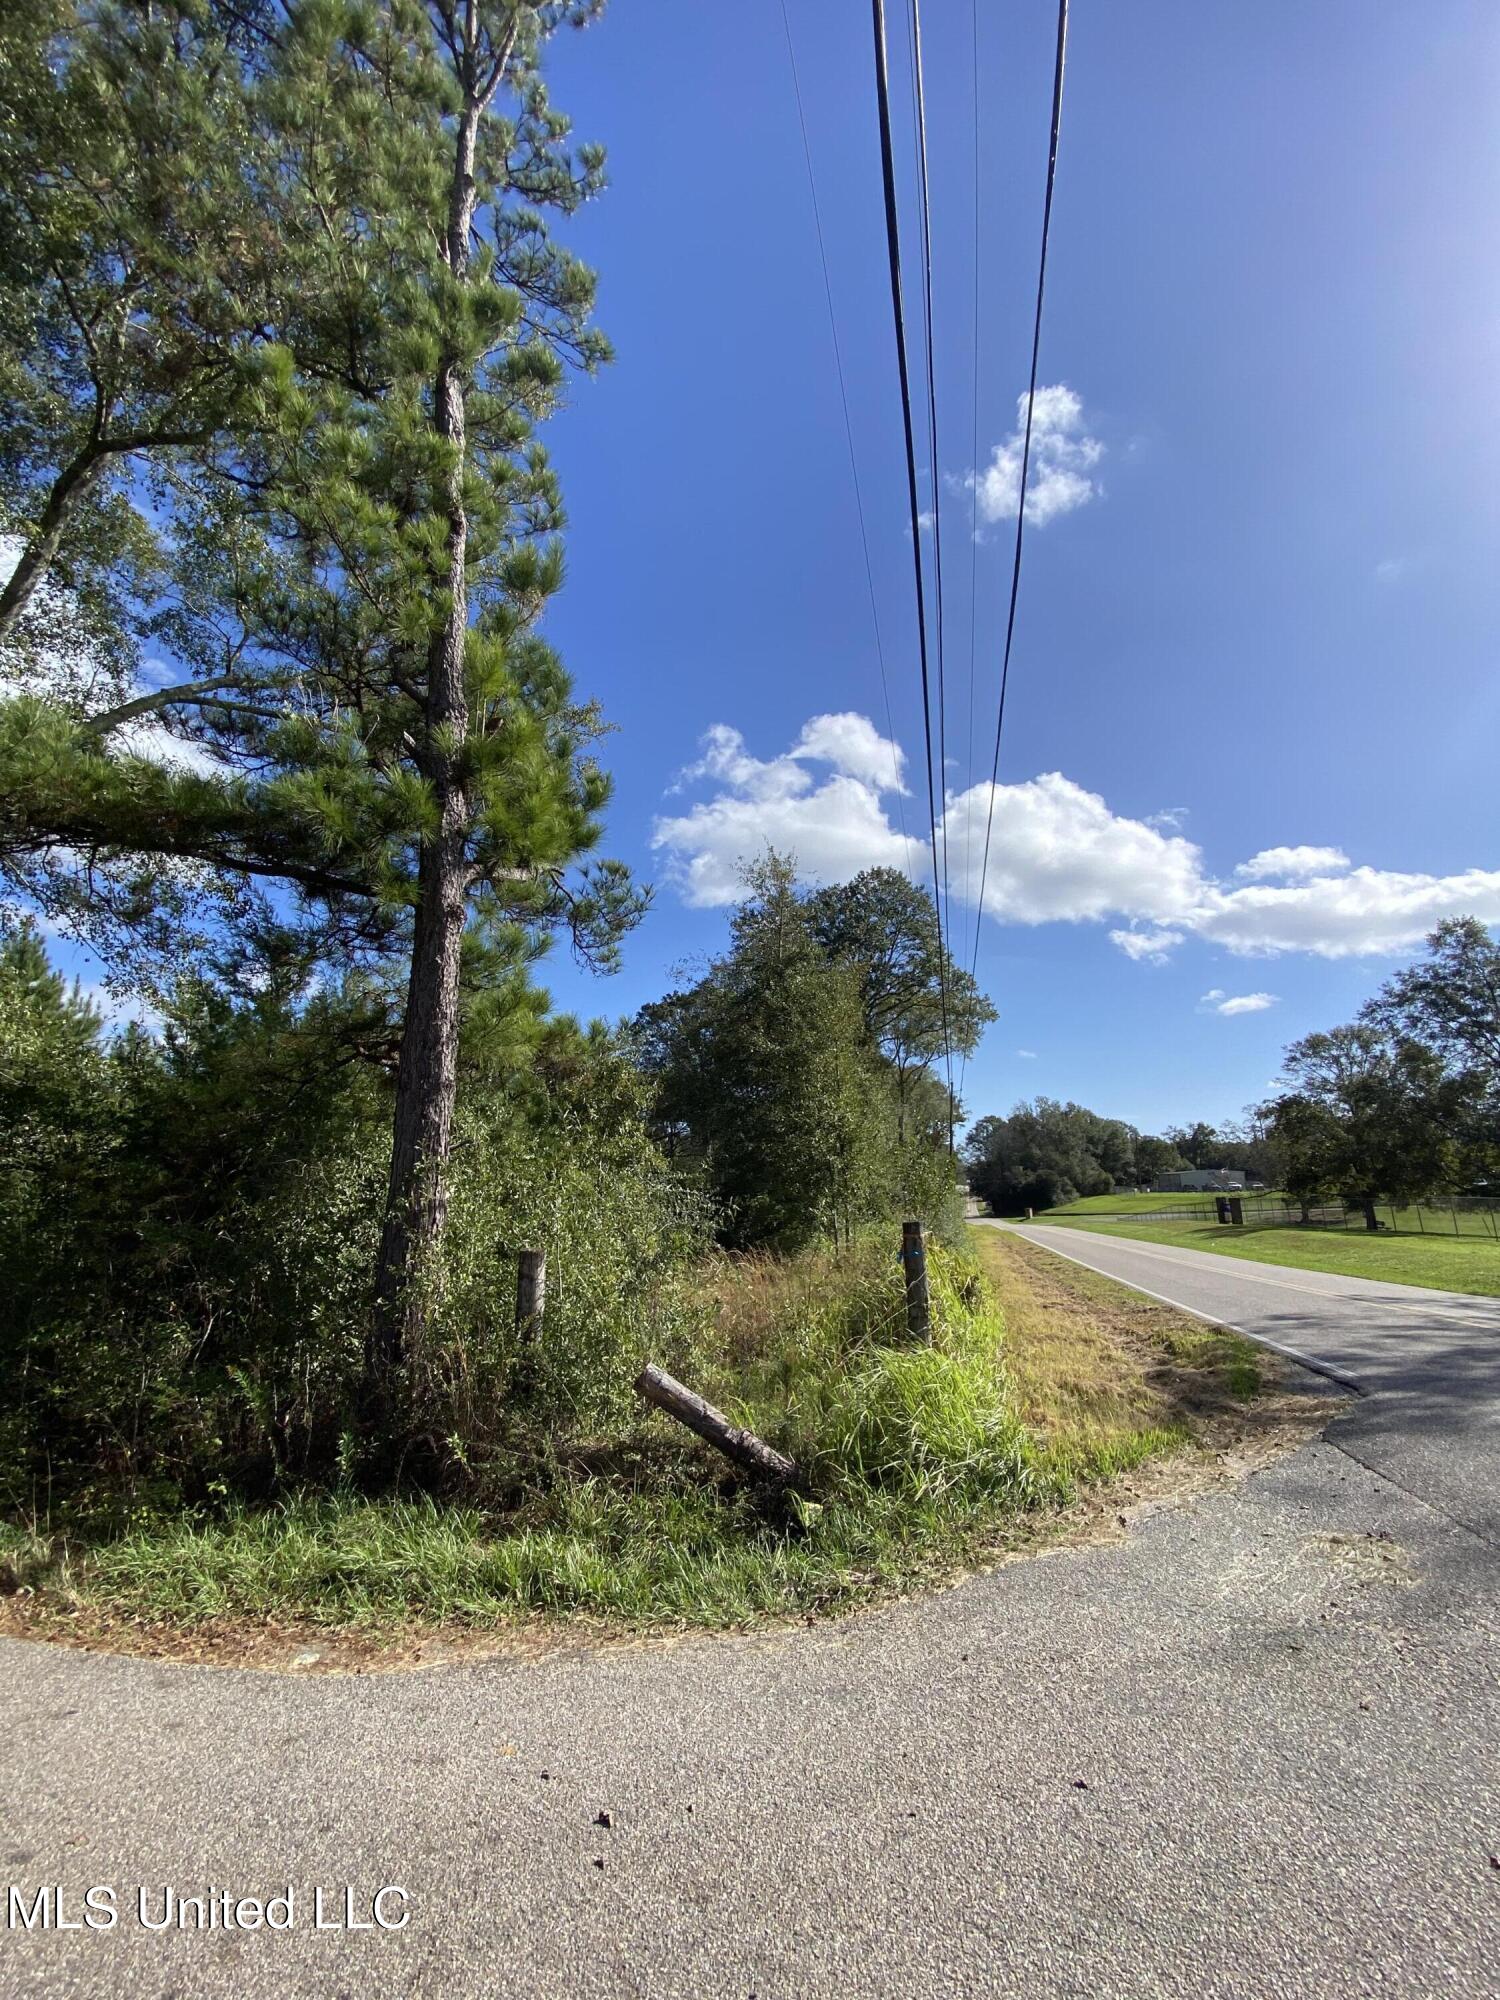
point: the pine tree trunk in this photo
(427, 1078)
(70, 486)
(426, 1090)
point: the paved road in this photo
(1247, 1753)
(1428, 1362)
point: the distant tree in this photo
(1363, 1119)
(1450, 1000)
(1045, 1154)
(915, 999)
(1198, 1144)
(1449, 1003)
(1157, 1156)
(1247, 1147)
(766, 1066)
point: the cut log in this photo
(744, 1447)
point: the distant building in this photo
(1217, 1180)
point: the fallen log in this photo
(744, 1447)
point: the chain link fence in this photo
(1459, 1215)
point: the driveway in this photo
(1246, 1752)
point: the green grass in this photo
(917, 1460)
(1135, 1204)
(1444, 1263)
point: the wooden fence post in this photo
(531, 1297)
(918, 1300)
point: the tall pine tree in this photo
(379, 738)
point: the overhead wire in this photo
(838, 362)
(1036, 345)
(893, 246)
(924, 210)
(974, 481)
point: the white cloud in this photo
(1058, 854)
(853, 745)
(1063, 458)
(143, 738)
(833, 828)
(1391, 570)
(1027, 1055)
(1365, 911)
(1169, 819)
(1293, 862)
(1217, 1001)
(1147, 947)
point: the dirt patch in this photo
(1362, 1562)
(274, 1645)
(1235, 1441)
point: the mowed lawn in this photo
(1445, 1263)
(1140, 1204)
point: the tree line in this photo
(1401, 1104)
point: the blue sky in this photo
(1263, 614)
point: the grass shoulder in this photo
(1442, 1263)
(1048, 1401)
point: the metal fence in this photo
(1462, 1215)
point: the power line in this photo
(963, 1066)
(838, 362)
(1036, 345)
(925, 212)
(893, 243)
(974, 483)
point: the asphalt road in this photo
(1248, 1752)
(1427, 1362)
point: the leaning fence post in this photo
(531, 1296)
(918, 1300)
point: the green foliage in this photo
(132, 284)
(1365, 1118)
(304, 507)
(565, 1166)
(795, 1072)
(187, 1229)
(918, 1463)
(282, 314)
(1449, 1005)
(1045, 1154)
(1405, 1102)
(917, 1004)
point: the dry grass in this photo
(1092, 1360)
(759, 1299)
